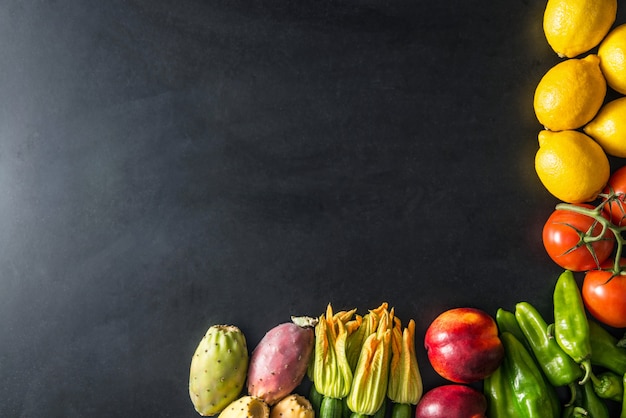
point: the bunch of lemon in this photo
(581, 126)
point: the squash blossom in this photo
(405, 380)
(351, 326)
(332, 375)
(368, 325)
(369, 385)
(343, 316)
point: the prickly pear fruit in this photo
(280, 360)
(246, 407)
(292, 406)
(218, 369)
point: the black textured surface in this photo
(165, 166)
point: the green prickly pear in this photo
(218, 369)
(246, 407)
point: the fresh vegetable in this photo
(382, 411)
(574, 409)
(595, 406)
(280, 360)
(604, 287)
(507, 322)
(559, 368)
(499, 394)
(615, 193)
(575, 241)
(623, 414)
(246, 407)
(605, 351)
(405, 386)
(332, 375)
(604, 296)
(218, 369)
(462, 345)
(316, 399)
(359, 329)
(534, 398)
(608, 385)
(292, 406)
(452, 401)
(571, 328)
(369, 382)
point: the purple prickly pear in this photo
(280, 360)
(218, 369)
(246, 407)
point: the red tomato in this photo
(562, 238)
(617, 207)
(605, 297)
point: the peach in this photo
(452, 401)
(463, 345)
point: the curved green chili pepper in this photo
(608, 385)
(558, 367)
(534, 398)
(571, 327)
(595, 407)
(605, 351)
(575, 409)
(499, 394)
(508, 323)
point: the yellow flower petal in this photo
(369, 385)
(332, 375)
(405, 380)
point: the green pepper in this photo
(508, 323)
(499, 394)
(571, 327)
(623, 413)
(558, 367)
(595, 406)
(606, 353)
(532, 395)
(608, 385)
(575, 409)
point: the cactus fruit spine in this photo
(218, 369)
(246, 407)
(292, 406)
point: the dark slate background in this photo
(166, 166)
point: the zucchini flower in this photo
(351, 326)
(343, 316)
(368, 325)
(405, 381)
(369, 385)
(331, 373)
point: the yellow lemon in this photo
(570, 94)
(573, 27)
(571, 165)
(608, 128)
(612, 53)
